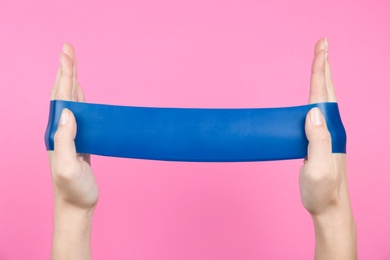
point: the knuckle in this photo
(58, 136)
(320, 53)
(323, 136)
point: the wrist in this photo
(335, 233)
(69, 218)
(72, 231)
(334, 225)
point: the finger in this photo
(77, 90)
(56, 82)
(320, 45)
(319, 152)
(65, 84)
(76, 93)
(55, 86)
(80, 97)
(75, 80)
(67, 49)
(318, 91)
(71, 52)
(328, 77)
(64, 146)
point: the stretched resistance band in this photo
(194, 134)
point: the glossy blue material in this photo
(194, 134)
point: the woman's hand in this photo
(75, 188)
(323, 177)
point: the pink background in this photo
(193, 54)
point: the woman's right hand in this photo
(323, 176)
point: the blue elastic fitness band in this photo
(194, 134)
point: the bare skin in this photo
(323, 178)
(75, 188)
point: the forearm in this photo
(72, 232)
(335, 235)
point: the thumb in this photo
(64, 147)
(319, 151)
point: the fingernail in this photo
(64, 116)
(64, 47)
(315, 116)
(326, 43)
